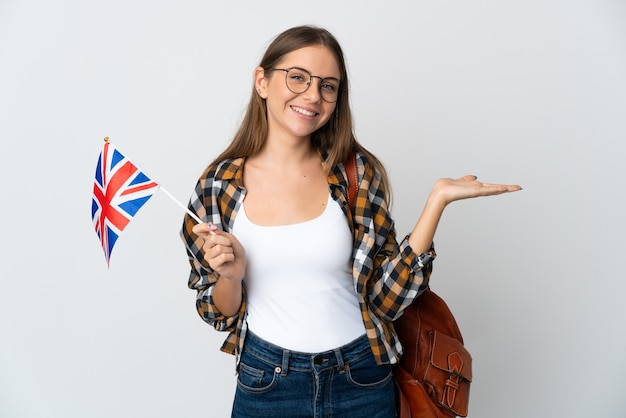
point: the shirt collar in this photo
(233, 171)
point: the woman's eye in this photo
(329, 86)
(298, 77)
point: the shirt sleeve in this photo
(398, 275)
(202, 278)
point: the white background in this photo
(530, 92)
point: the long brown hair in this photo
(335, 139)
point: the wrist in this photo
(436, 200)
(230, 281)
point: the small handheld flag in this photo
(120, 189)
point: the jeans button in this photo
(319, 360)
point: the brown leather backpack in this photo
(434, 374)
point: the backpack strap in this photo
(353, 179)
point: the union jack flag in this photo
(119, 191)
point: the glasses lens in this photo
(329, 88)
(298, 80)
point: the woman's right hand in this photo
(222, 251)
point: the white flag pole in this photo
(193, 215)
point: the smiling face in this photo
(291, 115)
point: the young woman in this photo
(306, 285)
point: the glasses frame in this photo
(308, 84)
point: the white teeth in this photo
(303, 112)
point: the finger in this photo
(204, 229)
(508, 187)
(218, 238)
(217, 250)
(469, 177)
(201, 230)
(494, 189)
(220, 261)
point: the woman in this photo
(306, 285)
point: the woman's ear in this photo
(260, 82)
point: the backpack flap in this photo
(449, 373)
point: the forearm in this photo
(423, 233)
(227, 296)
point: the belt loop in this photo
(285, 365)
(340, 364)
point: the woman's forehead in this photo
(317, 59)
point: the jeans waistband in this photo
(295, 360)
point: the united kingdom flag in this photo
(119, 191)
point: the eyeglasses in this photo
(298, 81)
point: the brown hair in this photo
(335, 139)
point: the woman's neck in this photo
(286, 153)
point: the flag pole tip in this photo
(106, 139)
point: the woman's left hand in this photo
(444, 192)
(450, 190)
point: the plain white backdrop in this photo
(530, 92)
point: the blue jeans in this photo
(341, 383)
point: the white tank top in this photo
(300, 291)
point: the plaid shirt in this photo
(387, 274)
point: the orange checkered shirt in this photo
(388, 276)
